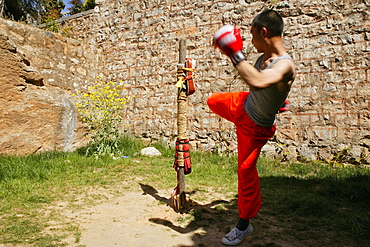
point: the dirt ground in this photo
(142, 217)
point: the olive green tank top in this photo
(263, 105)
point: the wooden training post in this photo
(180, 202)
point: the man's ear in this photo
(264, 32)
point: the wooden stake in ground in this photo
(179, 200)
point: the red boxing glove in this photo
(228, 39)
(285, 107)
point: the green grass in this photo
(318, 200)
(314, 204)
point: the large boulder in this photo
(37, 112)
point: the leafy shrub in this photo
(102, 108)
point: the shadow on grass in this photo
(295, 212)
(334, 211)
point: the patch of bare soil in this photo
(142, 217)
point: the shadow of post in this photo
(217, 217)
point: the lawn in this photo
(313, 204)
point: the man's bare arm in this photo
(282, 71)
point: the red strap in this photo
(285, 106)
(189, 82)
(186, 154)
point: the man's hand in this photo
(228, 39)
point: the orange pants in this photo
(251, 138)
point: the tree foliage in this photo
(21, 9)
(51, 9)
(39, 10)
(89, 4)
(78, 6)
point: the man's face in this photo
(257, 38)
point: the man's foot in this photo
(235, 236)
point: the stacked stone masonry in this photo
(328, 40)
(38, 72)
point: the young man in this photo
(253, 112)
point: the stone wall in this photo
(138, 43)
(329, 41)
(38, 70)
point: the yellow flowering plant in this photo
(102, 108)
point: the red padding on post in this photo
(186, 152)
